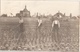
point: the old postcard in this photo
(43, 25)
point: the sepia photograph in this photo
(39, 25)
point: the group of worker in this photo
(55, 27)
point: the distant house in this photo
(74, 17)
(24, 13)
(59, 15)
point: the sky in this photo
(42, 7)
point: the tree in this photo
(4, 15)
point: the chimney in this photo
(70, 15)
(25, 6)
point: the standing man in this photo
(55, 26)
(21, 22)
(39, 22)
(20, 19)
(39, 28)
(21, 32)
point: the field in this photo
(14, 36)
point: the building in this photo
(23, 13)
(59, 15)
